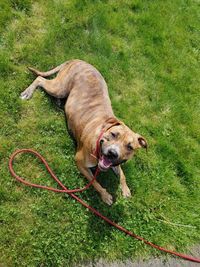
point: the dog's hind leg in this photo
(55, 87)
(50, 86)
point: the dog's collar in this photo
(109, 123)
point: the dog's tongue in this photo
(104, 163)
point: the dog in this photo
(88, 110)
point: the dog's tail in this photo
(50, 72)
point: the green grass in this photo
(148, 52)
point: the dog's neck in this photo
(110, 122)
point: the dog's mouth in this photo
(104, 163)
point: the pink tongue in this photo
(106, 162)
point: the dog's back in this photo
(88, 100)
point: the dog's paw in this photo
(126, 192)
(107, 198)
(27, 94)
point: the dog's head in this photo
(117, 145)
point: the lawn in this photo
(149, 54)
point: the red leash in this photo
(71, 193)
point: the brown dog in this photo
(88, 110)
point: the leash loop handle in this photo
(20, 179)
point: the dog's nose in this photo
(112, 154)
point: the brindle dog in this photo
(88, 110)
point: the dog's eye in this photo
(113, 134)
(101, 141)
(129, 147)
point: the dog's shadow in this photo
(99, 231)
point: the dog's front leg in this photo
(106, 197)
(119, 172)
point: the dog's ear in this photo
(141, 142)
